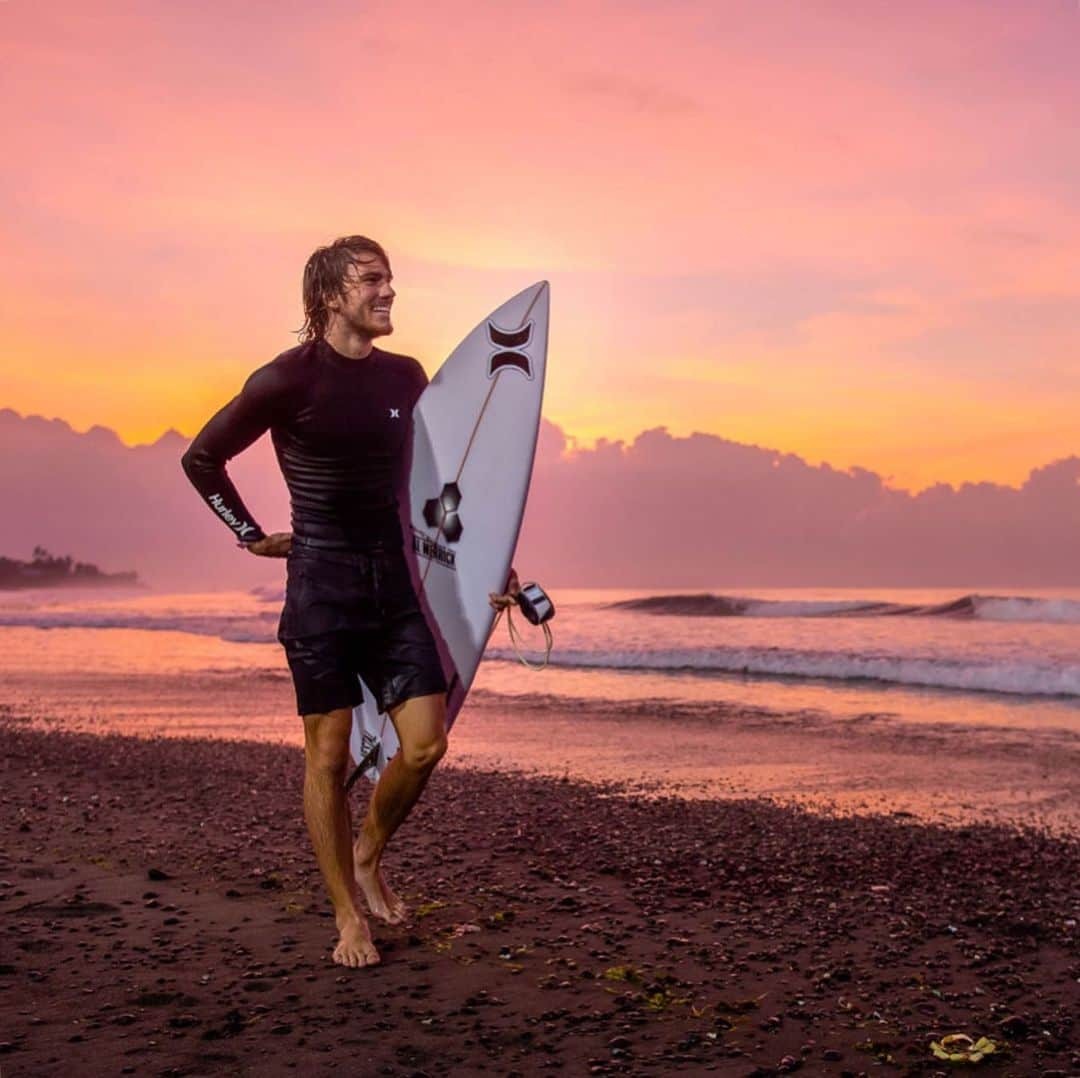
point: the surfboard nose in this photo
(529, 303)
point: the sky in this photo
(847, 231)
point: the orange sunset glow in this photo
(842, 230)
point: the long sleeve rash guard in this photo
(340, 431)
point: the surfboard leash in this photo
(538, 610)
(516, 641)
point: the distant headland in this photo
(46, 571)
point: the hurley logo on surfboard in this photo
(506, 352)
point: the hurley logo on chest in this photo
(395, 413)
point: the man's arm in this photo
(403, 467)
(232, 430)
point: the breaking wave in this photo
(1025, 678)
(981, 607)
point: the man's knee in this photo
(423, 755)
(326, 759)
(326, 744)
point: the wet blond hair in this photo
(325, 278)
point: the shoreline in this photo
(867, 763)
(557, 925)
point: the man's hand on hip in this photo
(276, 545)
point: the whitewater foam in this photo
(981, 607)
(1028, 679)
(256, 628)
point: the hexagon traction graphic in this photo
(442, 512)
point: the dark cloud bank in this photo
(695, 512)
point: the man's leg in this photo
(326, 810)
(421, 728)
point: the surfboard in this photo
(475, 429)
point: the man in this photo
(338, 410)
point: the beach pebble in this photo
(1015, 1025)
(790, 945)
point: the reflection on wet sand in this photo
(179, 684)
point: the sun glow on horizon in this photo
(827, 235)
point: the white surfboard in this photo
(474, 438)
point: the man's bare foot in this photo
(381, 900)
(355, 948)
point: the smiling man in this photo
(339, 410)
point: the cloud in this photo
(703, 511)
(659, 511)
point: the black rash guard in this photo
(340, 431)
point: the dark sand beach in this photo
(162, 916)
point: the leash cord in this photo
(517, 641)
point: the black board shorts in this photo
(350, 613)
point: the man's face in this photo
(364, 304)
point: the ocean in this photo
(667, 680)
(1011, 659)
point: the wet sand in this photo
(162, 915)
(874, 762)
(866, 763)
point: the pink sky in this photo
(844, 230)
